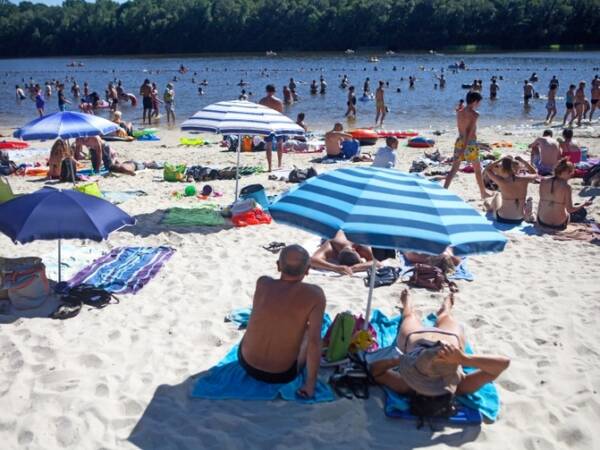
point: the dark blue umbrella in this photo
(387, 208)
(66, 125)
(50, 214)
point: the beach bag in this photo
(90, 295)
(426, 407)
(174, 172)
(429, 277)
(300, 175)
(593, 171)
(384, 276)
(89, 189)
(339, 337)
(68, 170)
(27, 287)
(579, 216)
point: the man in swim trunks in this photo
(545, 153)
(380, 103)
(284, 330)
(430, 361)
(342, 256)
(570, 105)
(466, 147)
(595, 96)
(146, 93)
(351, 104)
(270, 101)
(334, 140)
(494, 88)
(580, 102)
(527, 92)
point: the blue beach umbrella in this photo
(50, 214)
(387, 208)
(65, 125)
(241, 118)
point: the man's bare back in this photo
(549, 150)
(466, 122)
(272, 102)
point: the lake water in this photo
(422, 107)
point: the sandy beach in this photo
(119, 377)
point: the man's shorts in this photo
(469, 152)
(147, 102)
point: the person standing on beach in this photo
(466, 147)
(570, 105)
(595, 95)
(169, 99)
(527, 93)
(270, 101)
(113, 97)
(351, 104)
(580, 101)
(551, 103)
(284, 330)
(146, 93)
(155, 102)
(380, 104)
(62, 101)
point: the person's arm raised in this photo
(313, 351)
(527, 165)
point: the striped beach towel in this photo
(124, 270)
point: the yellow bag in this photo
(89, 189)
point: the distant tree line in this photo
(198, 26)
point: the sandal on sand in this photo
(66, 311)
(274, 247)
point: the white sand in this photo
(118, 378)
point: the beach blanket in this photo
(229, 381)
(506, 227)
(118, 197)
(193, 217)
(124, 270)
(485, 401)
(73, 259)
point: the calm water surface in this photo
(421, 107)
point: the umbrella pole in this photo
(370, 298)
(59, 264)
(237, 167)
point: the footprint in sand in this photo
(510, 385)
(25, 437)
(67, 433)
(114, 335)
(91, 361)
(102, 390)
(43, 353)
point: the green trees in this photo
(186, 26)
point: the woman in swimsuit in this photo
(569, 99)
(580, 102)
(429, 361)
(510, 206)
(551, 104)
(556, 202)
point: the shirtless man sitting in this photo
(342, 256)
(334, 140)
(545, 153)
(284, 331)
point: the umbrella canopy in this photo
(241, 117)
(66, 125)
(388, 209)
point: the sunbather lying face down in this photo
(342, 256)
(430, 360)
(284, 331)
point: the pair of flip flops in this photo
(350, 382)
(274, 247)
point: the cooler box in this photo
(257, 193)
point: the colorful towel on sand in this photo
(124, 270)
(192, 217)
(229, 381)
(485, 400)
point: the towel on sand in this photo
(229, 381)
(124, 270)
(485, 400)
(118, 197)
(192, 217)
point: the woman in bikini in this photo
(429, 361)
(510, 205)
(556, 201)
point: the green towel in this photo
(193, 217)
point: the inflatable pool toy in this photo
(129, 97)
(144, 132)
(191, 141)
(13, 145)
(365, 136)
(190, 190)
(396, 133)
(421, 142)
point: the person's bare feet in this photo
(447, 304)
(406, 302)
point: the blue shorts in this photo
(350, 149)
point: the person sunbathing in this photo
(342, 256)
(510, 206)
(430, 361)
(556, 198)
(284, 330)
(446, 261)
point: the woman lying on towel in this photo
(556, 198)
(430, 361)
(510, 206)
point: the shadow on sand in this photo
(173, 420)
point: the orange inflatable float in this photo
(365, 136)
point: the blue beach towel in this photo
(229, 381)
(485, 401)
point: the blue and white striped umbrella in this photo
(241, 118)
(66, 125)
(387, 208)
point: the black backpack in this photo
(68, 170)
(300, 175)
(426, 407)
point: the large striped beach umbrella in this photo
(241, 118)
(65, 125)
(387, 208)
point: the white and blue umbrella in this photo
(66, 125)
(241, 118)
(387, 208)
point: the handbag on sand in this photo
(430, 277)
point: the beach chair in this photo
(6, 192)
